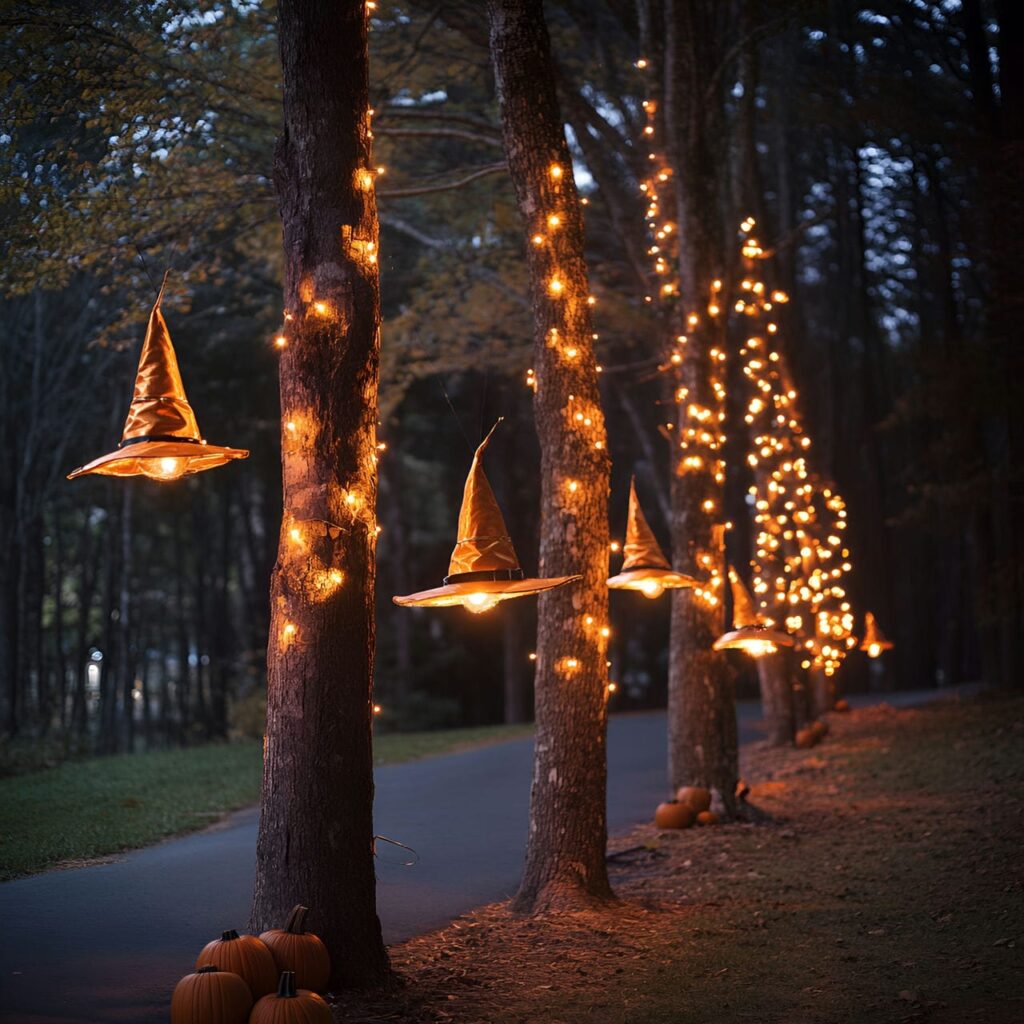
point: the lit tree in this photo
(316, 834)
(684, 200)
(800, 557)
(565, 858)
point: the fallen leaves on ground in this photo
(884, 885)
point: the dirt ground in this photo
(885, 885)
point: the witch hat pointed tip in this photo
(480, 448)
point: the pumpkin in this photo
(290, 1005)
(707, 818)
(697, 797)
(673, 814)
(211, 996)
(295, 949)
(820, 729)
(245, 956)
(842, 705)
(805, 739)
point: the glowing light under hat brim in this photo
(745, 637)
(456, 593)
(638, 579)
(877, 645)
(134, 459)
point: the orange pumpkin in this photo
(805, 739)
(707, 818)
(295, 949)
(211, 996)
(245, 956)
(697, 797)
(290, 1005)
(842, 705)
(673, 814)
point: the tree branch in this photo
(422, 190)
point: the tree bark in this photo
(516, 685)
(822, 692)
(315, 840)
(773, 675)
(703, 745)
(125, 655)
(565, 857)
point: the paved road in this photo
(105, 944)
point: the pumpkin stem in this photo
(228, 936)
(208, 969)
(286, 986)
(296, 923)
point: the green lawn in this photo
(85, 809)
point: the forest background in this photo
(869, 141)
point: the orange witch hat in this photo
(875, 641)
(750, 633)
(645, 567)
(484, 568)
(161, 438)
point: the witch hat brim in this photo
(741, 639)
(161, 438)
(636, 579)
(484, 561)
(145, 457)
(454, 593)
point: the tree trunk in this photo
(565, 857)
(703, 745)
(184, 651)
(88, 555)
(773, 675)
(109, 645)
(125, 655)
(516, 687)
(315, 840)
(222, 634)
(822, 692)
(59, 638)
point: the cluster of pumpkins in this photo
(273, 979)
(692, 806)
(811, 735)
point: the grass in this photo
(396, 747)
(81, 810)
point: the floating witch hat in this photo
(645, 567)
(750, 633)
(875, 641)
(483, 569)
(161, 437)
